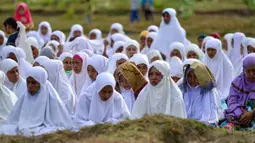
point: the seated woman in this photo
(13, 81)
(7, 100)
(39, 110)
(161, 95)
(131, 47)
(44, 31)
(176, 49)
(200, 94)
(76, 31)
(154, 55)
(240, 113)
(194, 52)
(33, 44)
(101, 103)
(67, 60)
(118, 47)
(95, 34)
(142, 63)
(132, 76)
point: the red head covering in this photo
(215, 35)
(26, 17)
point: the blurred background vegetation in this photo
(196, 16)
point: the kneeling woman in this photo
(40, 110)
(101, 103)
(200, 94)
(161, 95)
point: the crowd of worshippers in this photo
(50, 83)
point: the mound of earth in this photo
(158, 128)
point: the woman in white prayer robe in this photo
(149, 40)
(170, 31)
(161, 95)
(95, 34)
(131, 47)
(7, 100)
(19, 56)
(67, 59)
(207, 38)
(32, 42)
(116, 60)
(39, 110)
(228, 43)
(194, 52)
(118, 47)
(154, 55)
(115, 38)
(176, 49)
(60, 82)
(177, 69)
(80, 44)
(44, 31)
(220, 66)
(153, 28)
(38, 38)
(142, 63)
(39, 60)
(76, 31)
(14, 81)
(101, 103)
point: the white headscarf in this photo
(65, 55)
(46, 38)
(252, 43)
(80, 44)
(92, 110)
(37, 37)
(99, 63)
(59, 80)
(140, 59)
(194, 48)
(151, 35)
(221, 68)
(1, 46)
(117, 45)
(228, 37)
(116, 37)
(131, 43)
(78, 80)
(48, 52)
(164, 98)
(55, 44)
(245, 43)
(207, 38)
(152, 54)
(7, 100)
(235, 55)
(41, 59)
(153, 28)
(75, 27)
(20, 55)
(168, 33)
(176, 46)
(33, 42)
(43, 110)
(97, 32)
(118, 27)
(61, 36)
(176, 66)
(19, 87)
(112, 62)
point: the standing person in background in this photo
(23, 15)
(147, 6)
(134, 16)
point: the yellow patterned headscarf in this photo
(132, 75)
(144, 33)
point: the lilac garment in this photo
(240, 92)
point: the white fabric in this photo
(78, 80)
(118, 27)
(131, 43)
(78, 45)
(168, 33)
(75, 27)
(140, 59)
(112, 62)
(99, 63)
(37, 37)
(221, 68)
(235, 55)
(207, 38)
(151, 35)
(59, 80)
(53, 45)
(164, 98)
(61, 36)
(19, 87)
(176, 66)
(20, 55)
(49, 52)
(187, 42)
(152, 28)
(41, 59)
(65, 55)
(44, 110)
(152, 54)
(129, 98)
(252, 43)
(228, 37)
(177, 46)
(7, 100)
(196, 49)
(46, 38)
(33, 42)
(97, 32)
(1, 46)
(245, 43)
(116, 37)
(117, 45)
(92, 110)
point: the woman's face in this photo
(106, 93)
(167, 18)
(250, 49)
(225, 44)
(13, 75)
(120, 49)
(21, 10)
(119, 62)
(131, 50)
(192, 79)
(176, 53)
(155, 59)
(32, 85)
(155, 76)
(113, 31)
(175, 79)
(77, 66)
(54, 37)
(143, 40)
(92, 72)
(149, 41)
(35, 52)
(123, 82)
(92, 36)
(68, 65)
(44, 30)
(192, 55)
(250, 74)
(211, 52)
(13, 57)
(142, 68)
(1, 40)
(77, 33)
